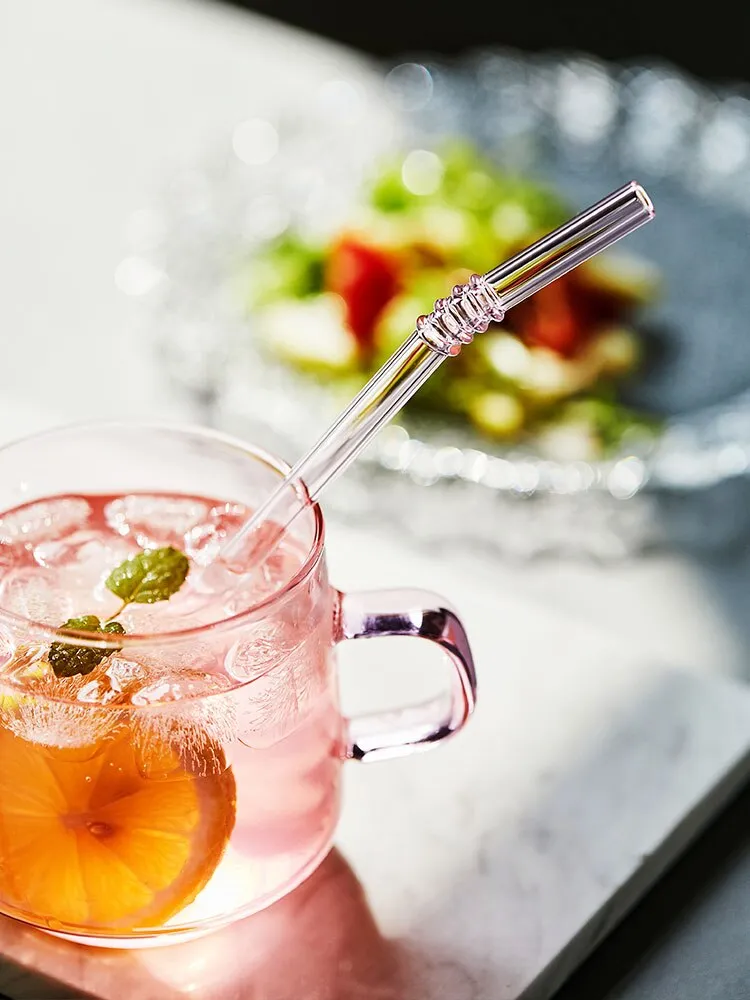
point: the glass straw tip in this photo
(644, 198)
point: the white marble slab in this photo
(506, 856)
(484, 869)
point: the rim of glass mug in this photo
(278, 466)
(381, 613)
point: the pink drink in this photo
(181, 768)
(216, 754)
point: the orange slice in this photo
(95, 844)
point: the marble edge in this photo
(644, 878)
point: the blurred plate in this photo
(587, 127)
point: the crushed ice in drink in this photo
(41, 708)
(179, 686)
(114, 684)
(239, 721)
(204, 542)
(188, 710)
(285, 682)
(154, 520)
(84, 562)
(58, 726)
(85, 554)
(264, 644)
(123, 675)
(97, 692)
(39, 597)
(51, 519)
(268, 708)
(184, 610)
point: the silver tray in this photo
(588, 127)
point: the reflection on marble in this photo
(321, 941)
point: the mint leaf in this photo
(113, 628)
(83, 623)
(153, 575)
(68, 660)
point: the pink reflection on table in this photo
(320, 941)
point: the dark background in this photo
(711, 40)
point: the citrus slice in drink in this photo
(95, 844)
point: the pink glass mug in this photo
(199, 780)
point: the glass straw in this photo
(452, 324)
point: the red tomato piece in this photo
(367, 279)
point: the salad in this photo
(547, 375)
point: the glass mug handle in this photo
(421, 615)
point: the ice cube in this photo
(271, 706)
(120, 677)
(41, 708)
(268, 708)
(189, 712)
(264, 644)
(84, 549)
(97, 692)
(84, 561)
(182, 611)
(144, 619)
(26, 664)
(265, 579)
(251, 590)
(204, 542)
(44, 519)
(40, 598)
(57, 724)
(124, 675)
(62, 713)
(62, 552)
(189, 687)
(153, 520)
(182, 656)
(68, 576)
